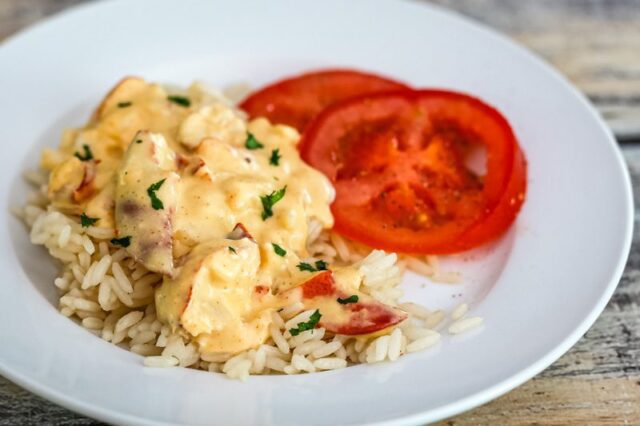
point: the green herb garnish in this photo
(321, 265)
(124, 104)
(351, 299)
(180, 100)
(268, 201)
(279, 250)
(122, 242)
(88, 155)
(309, 325)
(87, 221)
(232, 250)
(252, 142)
(139, 141)
(303, 266)
(156, 202)
(275, 157)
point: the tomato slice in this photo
(296, 100)
(398, 161)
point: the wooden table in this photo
(596, 43)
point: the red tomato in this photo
(398, 163)
(295, 101)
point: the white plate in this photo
(539, 288)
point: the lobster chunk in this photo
(145, 198)
(344, 311)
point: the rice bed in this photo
(108, 293)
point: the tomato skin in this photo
(298, 99)
(374, 197)
(502, 216)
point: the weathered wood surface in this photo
(596, 43)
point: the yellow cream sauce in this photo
(211, 181)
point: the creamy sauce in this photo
(211, 182)
(214, 297)
(230, 181)
(148, 168)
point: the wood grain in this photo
(561, 402)
(596, 43)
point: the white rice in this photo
(423, 343)
(302, 317)
(378, 349)
(93, 323)
(459, 311)
(465, 324)
(276, 364)
(420, 267)
(434, 319)
(291, 310)
(279, 339)
(330, 363)
(128, 320)
(395, 344)
(322, 349)
(121, 279)
(300, 363)
(415, 310)
(277, 320)
(341, 247)
(117, 290)
(109, 293)
(64, 236)
(160, 361)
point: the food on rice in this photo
(195, 238)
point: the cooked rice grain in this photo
(465, 324)
(160, 361)
(459, 311)
(423, 343)
(331, 363)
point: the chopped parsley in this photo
(275, 157)
(279, 250)
(122, 242)
(309, 325)
(351, 299)
(232, 250)
(320, 265)
(139, 141)
(268, 201)
(252, 142)
(156, 202)
(180, 100)
(124, 104)
(88, 155)
(303, 266)
(87, 221)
